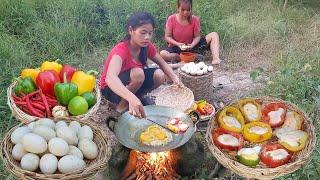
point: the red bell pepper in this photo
(205, 109)
(273, 110)
(274, 155)
(227, 137)
(68, 70)
(46, 81)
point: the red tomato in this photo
(273, 107)
(219, 131)
(268, 160)
(209, 109)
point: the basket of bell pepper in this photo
(38, 91)
(277, 137)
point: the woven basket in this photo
(25, 118)
(177, 97)
(93, 166)
(201, 86)
(261, 171)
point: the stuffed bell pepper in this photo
(293, 120)
(292, 140)
(231, 119)
(257, 132)
(250, 109)
(274, 114)
(274, 155)
(249, 156)
(227, 140)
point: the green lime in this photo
(90, 98)
(77, 106)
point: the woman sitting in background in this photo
(182, 33)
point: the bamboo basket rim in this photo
(172, 94)
(92, 166)
(261, 171)
(25, 118)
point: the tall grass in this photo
(82, 32)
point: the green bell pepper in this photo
(64, 92)
(249, 156)
(25, 86)
(90, 98)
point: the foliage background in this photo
(81, 32)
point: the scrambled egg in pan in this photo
(154, 135)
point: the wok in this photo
(128, 128)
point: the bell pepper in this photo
(257, 132)
(274, 155)
(90, 98)
(68, 70)
(77, 106)
(231, 119)
(249, 156)
(250, 109)
(294, 140)
(25, 86)
(46, 81)
(33, 73)
(84, 81)
(51, 65)
(227, 140)
(293, 120)
(274, 114)
(65, 91)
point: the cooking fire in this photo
(151, 166)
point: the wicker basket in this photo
(177, 97)
(93, 166)
(25, 118)
(201, 86)
(261, 171)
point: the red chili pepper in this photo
(38, 106)
(20, 102)
(46, 81)
(69, 72)
(16, 97)
(45, 102)
(31, 109)
(30, 95)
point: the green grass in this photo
(81, 33)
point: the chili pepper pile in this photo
(249, 123)
(36, 103)
(39, 90)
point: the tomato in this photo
(219, 131)
(267, 159)
(274, 107)
(209, 109)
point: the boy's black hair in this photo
(136, 20)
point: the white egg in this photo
(188, 71)
(75, 125)
(46, 132)
(68, 135)
(34, 143)
(60, 124)
(70, 163)
(88, 148)
(205, 70)
(30, 162)
(199, 72)
(31, 125)
(210, 68)
(85, 132)
(48, 164)
(58, 147)
(18, 152)
(75, 151)
(18, 133)
(46, 122)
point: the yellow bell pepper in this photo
(257, 132)
(33, 73)
(294, 140)
(85, 81)
(231, 119)
(250, 109)
(51, 65)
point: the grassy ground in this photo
(254, 34)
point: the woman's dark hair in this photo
(136, 20)
(187, 2)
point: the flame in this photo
(158, 157)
